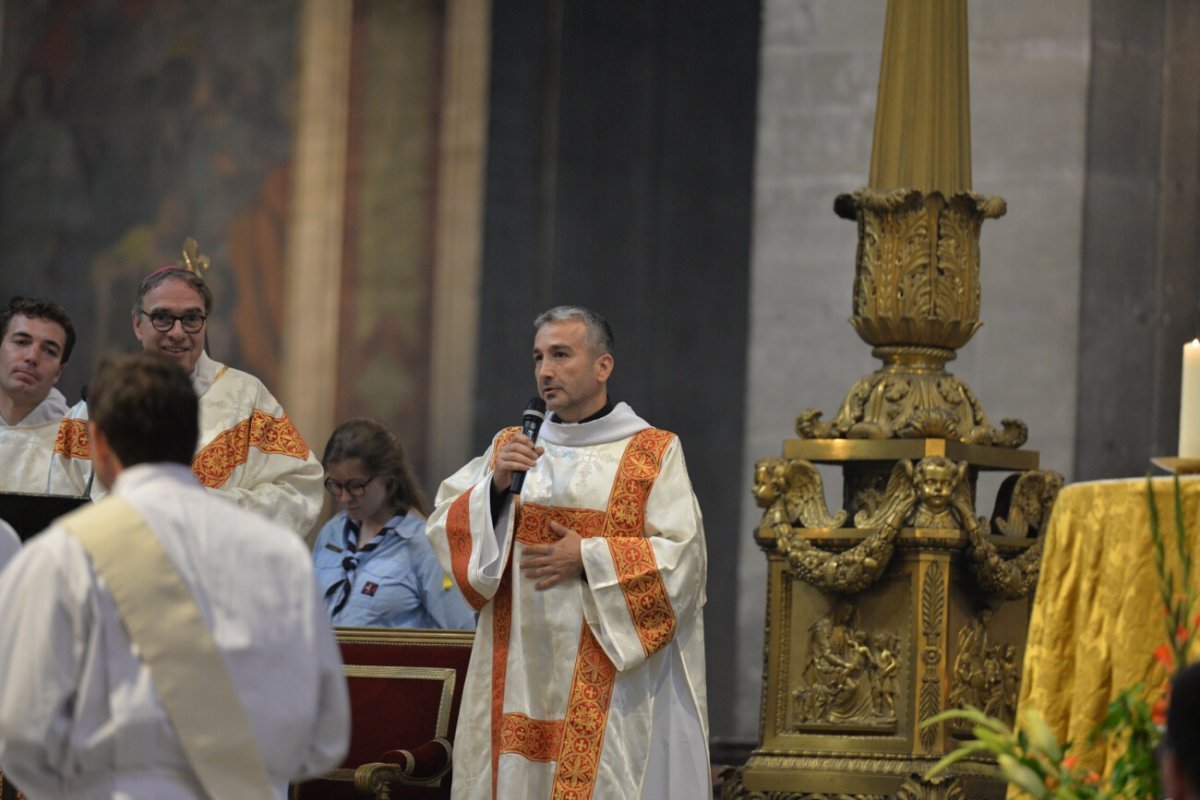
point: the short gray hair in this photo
(599, 334)
(164, 274)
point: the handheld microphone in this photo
(531, 423)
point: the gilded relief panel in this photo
(843, 673)
(984, 654)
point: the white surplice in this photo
(248, 449)
(10, 543)
(25, 447)
(595, 686)
(79, 714)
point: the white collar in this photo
(138, 474)
(52, 409)
(618, 424)
(205, 373)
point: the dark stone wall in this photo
(620, 164)
(1140, 294)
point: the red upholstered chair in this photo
(405, 690)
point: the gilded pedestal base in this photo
(873, 630)
(903, 603)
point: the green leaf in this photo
(962, 752)
(995, 742)
(971, 714)
(1021, 775)
(1042, 737)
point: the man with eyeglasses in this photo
(248, 448)
(36, 339)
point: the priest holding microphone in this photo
(584, 553)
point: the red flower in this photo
(1181, 634)
(1164, 656)
(1069, 762)
(1158, 711)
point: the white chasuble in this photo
(81, 716)
(248, 449)
(593, 688)
(25, 448)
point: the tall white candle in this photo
(1189, 402)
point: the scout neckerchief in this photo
(341, 588)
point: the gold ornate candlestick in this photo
(916, 301)
(902, 603)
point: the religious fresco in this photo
(391, 175)
(129, 125)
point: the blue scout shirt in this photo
(394, 581)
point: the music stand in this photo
(30, 514)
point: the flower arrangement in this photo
(1030, 756)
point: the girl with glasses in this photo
(374, 565)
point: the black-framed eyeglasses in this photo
(163, 321)
(353, 488)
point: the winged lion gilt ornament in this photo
(1029, 512)
(793, 494)
(935, 493)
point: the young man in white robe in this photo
(158, 607)
(36, 339)
(587, 674)
(248, 448)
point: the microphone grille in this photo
(536, 404)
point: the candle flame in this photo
(1194, 343)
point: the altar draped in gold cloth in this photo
(1098, 614)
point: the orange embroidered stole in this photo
(216, 461)
(575, 742)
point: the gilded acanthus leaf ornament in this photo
(933, 610)
(732, 787)
(916, 301)
(929, 423)
(809, 425)
(1014, 433)
(917, 270)
(939, 787)
(889, 404)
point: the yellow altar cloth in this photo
(1098, 613)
